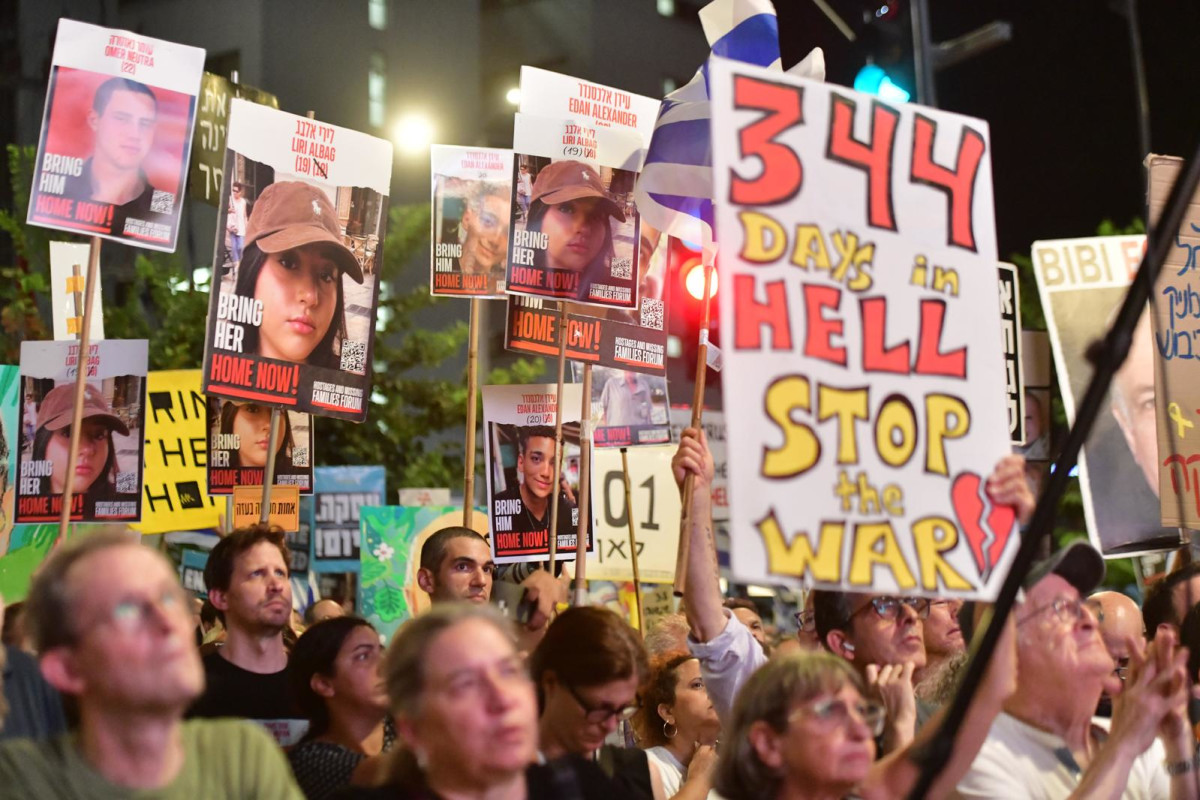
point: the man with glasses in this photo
(1120, 622)
(1046, 743)
(114, 630)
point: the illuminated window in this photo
(376, 89)
(377, 14)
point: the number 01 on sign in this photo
(285, 507)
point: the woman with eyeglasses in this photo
(587, 669)
(678, 726)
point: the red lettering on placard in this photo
(782, 174)
(873, 157)
(958, 184)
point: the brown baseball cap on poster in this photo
(289, 214)
(571, 180)
(55, 413)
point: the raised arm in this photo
(702, 595)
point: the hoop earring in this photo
(672, 734)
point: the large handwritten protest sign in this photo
(1176, 321)
(207, 170)
(107, 485)
(341, 494)
(655, 507)
(117, 129)
(1081, 283)
(472, 195)
(520, 448)
(173, 491)
(864, 381)
(291, 319)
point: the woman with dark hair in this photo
(252, 424)
(588, 668)
(96, 462)
(572, 209)
(466, 714)
(292, 266)
(334, 671)
(678, 726)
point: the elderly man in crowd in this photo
(1120, 623)
(1046, 743)
(114, 630)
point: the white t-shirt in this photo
(669, 769)
(1019, 760)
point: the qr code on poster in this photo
(162, 202)
(299, 456)
(127, 482)
(652, 313)
(622, 269)
(354, 357)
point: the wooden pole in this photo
(633, 553)
(552, 534)
(472, 391)
(264, 513)
(81, 364)
(585, 488)
(685, 528)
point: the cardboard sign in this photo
(392, 538)
(208, 145)
(108, 472)
(1176, 309)
(1082, 282)
(656, 511)
(858, 266)
(341, 494)
(285, 506)
(173, 492)
(518, 424)
(1010, 326)
(291, 321)
(66, 291)
(113, 152)
(472, 196)
(628, 408)
(239, 434)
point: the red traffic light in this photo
(693, 279)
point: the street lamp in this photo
(513, 96)
(413, 133)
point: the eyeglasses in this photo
(1067, 609)
(806, 620)
(888, 608)
(835, 711)
(133, 614)
(1122, 668)
(600, 714)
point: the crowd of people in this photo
(500, 691)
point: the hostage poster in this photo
(628, 408)
(239, 437)
(291, 320)
(116, 135)
(520, 449)
(863, 371)
(107, 484)
(1082, 283)
(472, 197)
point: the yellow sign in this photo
(285, 506)
(174, 488)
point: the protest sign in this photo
(340, 496)
(551, 94)
(173, 491)
(621, 339)
(392, 538)
(239, 434)
(858, 268)
(472, 194)
(108, 472)
(628, 408)
(714, 429)
(10, 428)
(291, 318)
(518, 423)
(66, 287)
(1082, 283)
(424, 497)
(113, 151)
(285, 507)
(191, 571)
(656, 511)
(208, 145)
(1037, 374)
(1010, 326)
(1176, 309)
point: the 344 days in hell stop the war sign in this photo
(863, 360)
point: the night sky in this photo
(1060, 99)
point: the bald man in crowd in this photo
(1120, 623)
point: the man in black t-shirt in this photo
(247, 581)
